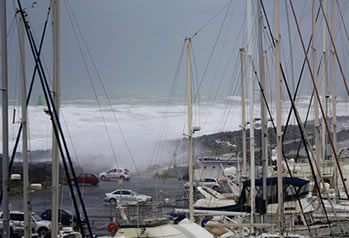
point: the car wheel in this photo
(112, 201)
(103, 178)
(94, 184)
(43, 232)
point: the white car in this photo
(39, 226)
(115, 173)
(208, 182)
(126, 196)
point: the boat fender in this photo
(112, 226)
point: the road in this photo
(100, 213)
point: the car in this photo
(87, 178)
(65, 217)
(207, 181)
(115, 173)
(126, 196)
(39, 226)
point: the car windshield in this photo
(36, 217)
(133, 192)
(68, 212)
(127, 170)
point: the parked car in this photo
(65, 217)
(126, 196)
(115, 173)
(39, 226)
(86, 178)
(207, 181)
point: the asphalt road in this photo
(99, 212)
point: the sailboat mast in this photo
(334, 99)
(264, 156)
(26, 192)
(316, 102)
(190, 133)
(251, 88)
(56, 96)
(278, 116)
(243, 109)
(5, 158)
(324, 83)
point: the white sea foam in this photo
(143, 125)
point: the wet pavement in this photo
(101, 213)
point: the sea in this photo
(134, 131)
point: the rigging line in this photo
(211, 55)
(9, 35)
(46, 93)
(221, 55)
(342, 18)
(56, 124)
(227, 65)
(105, 92)
(303, 132)
(195, 80)
(322, 112)
(290, 45)
(317, 95)
(294, 98)
(286, 162)
(335, 51)
(200, 29)
(231, 89)
(170, 101)
(93, 88)
(14, 150)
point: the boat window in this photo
(309, 218)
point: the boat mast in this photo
(26, 192)
(190, 133)
(243, 119)
(334, 100)
(264, 150)
(250, 79)
(278, 117)
(56, 97)
(5, 158)
(324, 82)
(316, 102)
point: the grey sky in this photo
(136, 44)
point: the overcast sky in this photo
(136, 44)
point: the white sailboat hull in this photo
(184, 229)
